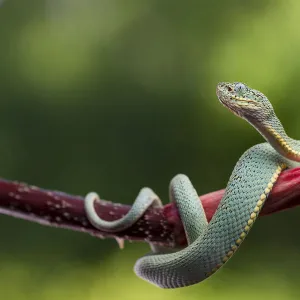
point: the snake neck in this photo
(273, 131)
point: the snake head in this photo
(245, 102)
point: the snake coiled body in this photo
(211, 245)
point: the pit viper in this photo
(211, 245)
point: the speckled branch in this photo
(159, 225)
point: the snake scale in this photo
(211, 245)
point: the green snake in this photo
(210, 245)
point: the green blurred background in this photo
(114, 95)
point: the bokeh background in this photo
(114, 95)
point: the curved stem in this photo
(158, 225)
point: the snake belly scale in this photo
(211, 245)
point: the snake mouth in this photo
(239, 99)
(246, 101)
(242, 106)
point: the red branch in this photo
(158, 225)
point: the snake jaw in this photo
(241, 99)
(244, 105)
(237, 104)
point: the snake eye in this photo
(239, 87)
